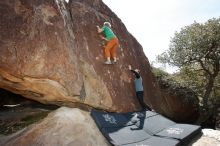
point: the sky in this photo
(154, 22)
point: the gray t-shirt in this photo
(138, 84)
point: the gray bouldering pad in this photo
(156, 141)
(143, 128)
(125, 135)
(155, 124)
(104, 119)
(182, 132)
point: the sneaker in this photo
(114, 62)
(107, 62)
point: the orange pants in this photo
(111, 48)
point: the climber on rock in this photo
(112, 45)
(139, 88)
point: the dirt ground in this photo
(16, 118)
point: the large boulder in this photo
(182, 104)
(64, 127)
(50, 52)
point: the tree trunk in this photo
(208, 90)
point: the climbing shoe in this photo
(114, 62)
(107, 62)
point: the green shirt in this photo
(108, 33)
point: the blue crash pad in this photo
(143, 128)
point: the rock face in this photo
(50, 52)
(182, 104)
(64, 127)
